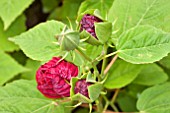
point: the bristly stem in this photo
(110, 64)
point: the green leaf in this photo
(17, 27)
(103, 31)
(9, 68)
(39, 43)
(143, 44)
(165, 62)
(131, 13)
(92, 51)
(126, 102)
(11, 9)
(101, 5)
(23, 97)
(155, 99)
(94, 91)
(121, 74)
(151, 74)
(33, 66)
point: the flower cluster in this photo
(53, 79)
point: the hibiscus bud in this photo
(54, 76)
(87, 23)
(82, 87)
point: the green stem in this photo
(99, 105)
(82, 54)
(115, 95)
(104, 61)
(107, 103)
(114, 107)
(110, 64)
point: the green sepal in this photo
(94, 12)
(103, 31)
(89, 38)
(68, 39)
(81, 98)
(95, 90)
(90, 77)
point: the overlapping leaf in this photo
(155, 99)
(17, 27)
(143, 44)
(121, 74)
(11, 9)
(136, 43)
(151, 74)
(23, 97)
(39, 43)
(8, 68)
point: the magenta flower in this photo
(87, 23)
(54, 76)
(82, 87)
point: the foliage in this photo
(128, 64)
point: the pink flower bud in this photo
(81, 87)
(54, 76)
(87, 23)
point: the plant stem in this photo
(110, 64)
(115, 95)
(78, 50)
(107, 103)
(104, 61)
(114, 107)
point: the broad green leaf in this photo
(33, 66)
(23, 97)
(165, 62)
(131, 13)
(94, 91)
(151, 74)
(39, 43)
(155, 99)
(102, 5)
(126, 102)
(11, 9)
(8, 68)
(121, 74)
(143, 44)
(17, 27)
(92, 51)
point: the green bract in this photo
(68, 39)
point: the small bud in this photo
(68, 39)
(87, 23)
(82, 87)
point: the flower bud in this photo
(54, 76)
(82, 87)
(68, 39)
(87, 23)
